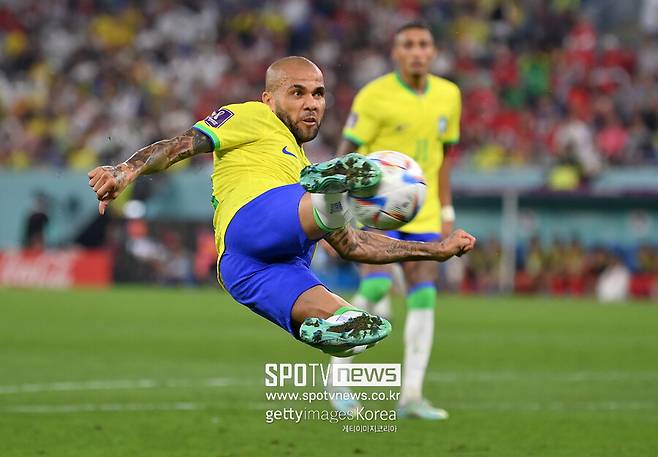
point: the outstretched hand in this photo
(458, 243)
(107, 182)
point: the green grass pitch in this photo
(156, 372)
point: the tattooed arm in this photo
(109, 181)
(369, 247)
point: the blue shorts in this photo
(267, 257)
(404, 236)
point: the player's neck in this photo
(417, 84)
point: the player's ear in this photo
(394, 53)
(266, 97)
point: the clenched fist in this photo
(458, 243)
(108, 182)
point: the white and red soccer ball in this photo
(399, 196)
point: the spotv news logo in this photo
(338, 375)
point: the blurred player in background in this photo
(267, 219)
(417, 113)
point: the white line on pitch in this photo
(557, 406)
(598, 406)
(101, 407)
(117, 384)
(503, 406)
(432, 377)
(568, 377)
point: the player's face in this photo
(413, 51)
(300, 104)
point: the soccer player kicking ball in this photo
(417, 113)
(272, 206)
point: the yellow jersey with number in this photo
(254, 152)
(389, 115)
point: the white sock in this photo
(418, 338)
(331, 211)
(337, 361)
(359, 301)
(383, 308)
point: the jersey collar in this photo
(409, 88)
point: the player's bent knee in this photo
(422, 296)
(375, 287)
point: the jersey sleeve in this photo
(451, 134)
(228, 127)
(362, 124)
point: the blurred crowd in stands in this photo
(544, 82)
(565, 268)
(169, 254)
(567, 85)
(184, 255)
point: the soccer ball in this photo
(399, 196)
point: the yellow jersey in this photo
(389, 115)
(254, 152)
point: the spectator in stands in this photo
(644, 283)
(613, 283)
(483, 268)
(532, 276)
(36, 223)
(81, 82)
(177, 268)
(145, 255)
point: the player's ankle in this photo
(330, 211)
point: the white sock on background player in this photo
(338, 361)
(359, 301)
(383, 308)
(418, 336)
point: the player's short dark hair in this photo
(417, 24)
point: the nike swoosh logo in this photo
(286, 152)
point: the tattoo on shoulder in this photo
(200, 142)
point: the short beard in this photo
(296, 131)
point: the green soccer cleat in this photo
(344, 350)
(353, 173)
(421, 409)
(343, 339)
